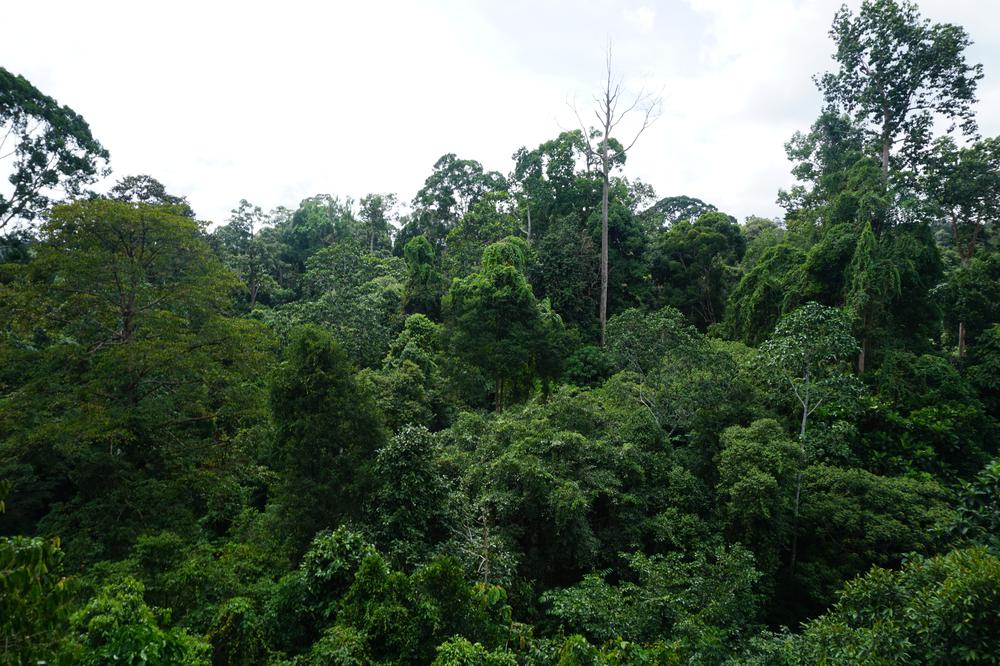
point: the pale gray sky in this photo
(277, 101)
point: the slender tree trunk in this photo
(886, 143)
(529, 225)
(798, 481)
(604, 250)
(961, 339)
(861, 356)
(885, 160)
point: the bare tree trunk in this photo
(609, 116)
(961, 339)
(604, 253)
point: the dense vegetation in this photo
(340, 435)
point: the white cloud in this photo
(642, 18)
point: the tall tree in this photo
(51, 146)
(963, 186)
(807, 352)
(693, 264)
(873, 282)
(494, 320)
(898, 74)
(376, 215)
(146, 189)
(327, 434)
(613, 105)
(242, 249)
(132, 370)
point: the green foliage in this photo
(898, 73)
(768, 290)
(410, 501)
(984, 370)
(52, 149)
(131, 384)
(940, 610)
(354, 295)
(403, 618)
(117, 626)
(375, 213)
(566, 271)
(495, 323)
(655, 500)
(807, 353)
(340, 645)
(758, 466)
(699, 606)
(236, 636)
(460, 652)
(488, 221)
(685, 384)
(932, 419)
(977, 516)
(453, 187)
(244, 250)
(327, 432)
(33, 597)
(693, 264)
(851, 519)
(587, 366)
(669, 211)
(418, 383)
(873, 281)
(423, 282)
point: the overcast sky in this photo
(277, 101)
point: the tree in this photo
(117, 626)
(489, 220)
(52, 149)
(243, 250)
(964, 187)
(807, 350)
(873, 283)
(33, 605)
(327, 433)
(771, 288)
(495, 322)
(939, 610)
(897, 74)
(423, 288)
(757, 470)
(702, 604)
(146, 189)
(409, 511)
(609, 153)
(670, 210)
(447, 195)
(354, 295)
(376, 213)
(692, 264)
(134, 376)
(678, 377)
